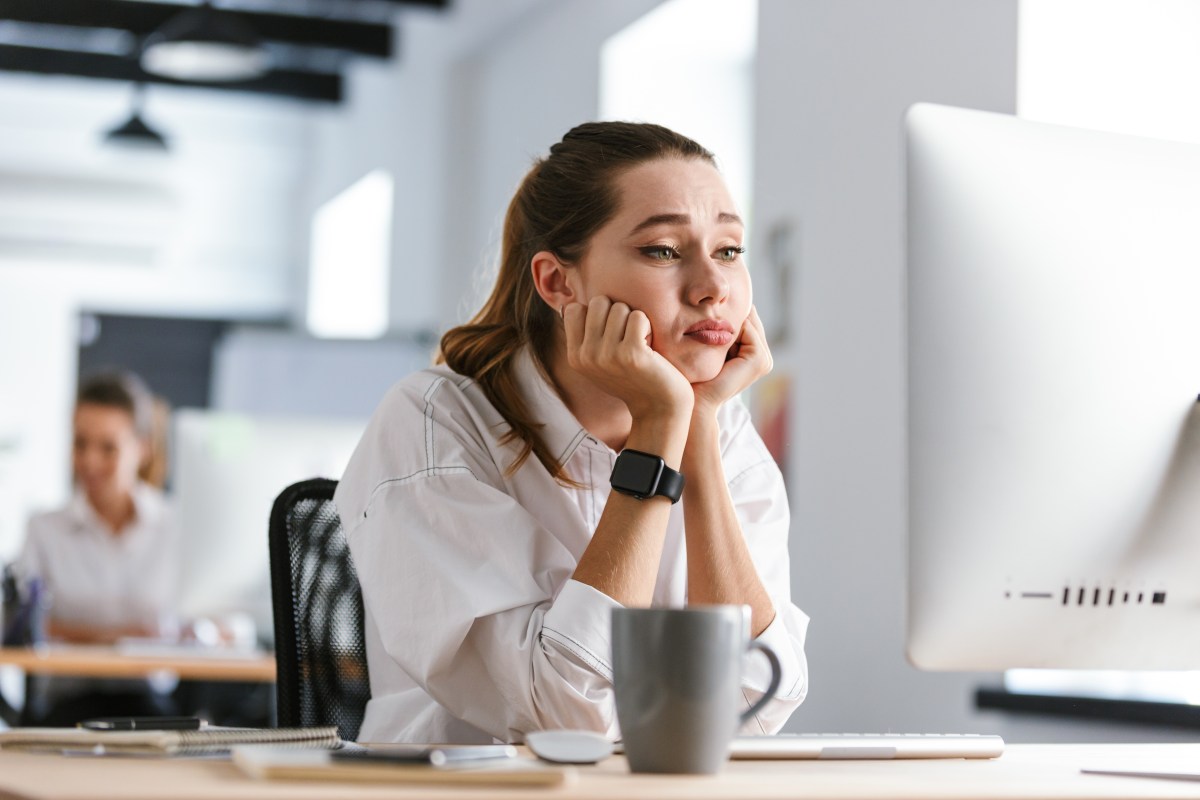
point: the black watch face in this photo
(637, 473)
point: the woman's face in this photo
(107, 451)
(674, 251)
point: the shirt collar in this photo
(561, 432)
(144, 509)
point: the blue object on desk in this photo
(21, 613)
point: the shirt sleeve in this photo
(473, 599)
(760, 501)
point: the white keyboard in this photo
(867, 746)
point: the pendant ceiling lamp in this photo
(134, 133)
(205, 44)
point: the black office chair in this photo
(320, 651)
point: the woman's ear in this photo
(555, 281)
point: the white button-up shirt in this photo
(474, 628)
(96, 578)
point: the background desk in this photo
(1025, 771)
(108, 662)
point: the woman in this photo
(613, 345)
(108, 560)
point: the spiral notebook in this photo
(168, 743)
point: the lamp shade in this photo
(207, 45)
(134, 133)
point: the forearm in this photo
(623, 556)
(720, 569)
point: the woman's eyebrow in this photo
(681, 219)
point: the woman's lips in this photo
(711, 331)
(712, 336)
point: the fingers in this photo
(754, 343)
(637, 328)
(597, 319)
(614, 325)
(602, 331)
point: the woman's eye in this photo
(730, 253)
(660, 253)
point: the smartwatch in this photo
(643, 475)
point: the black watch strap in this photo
(670, 484)
(645, 475)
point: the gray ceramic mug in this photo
(677, 678)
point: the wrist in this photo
(664, 436)
(704, 413)
(703, 442)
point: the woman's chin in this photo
(701, 370)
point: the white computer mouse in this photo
(570, 747)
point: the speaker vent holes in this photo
(1095, 595)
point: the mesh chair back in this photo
(319, 645)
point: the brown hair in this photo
(563, 200)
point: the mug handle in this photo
(776, 676)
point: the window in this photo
(350, 261)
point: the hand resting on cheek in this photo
(748, 359)
(610, 344)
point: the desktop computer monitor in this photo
(227, 470)
(1053, 372)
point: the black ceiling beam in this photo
(143, 18)
(281, 83)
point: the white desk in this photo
(1024, 772)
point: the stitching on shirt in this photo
(429, 393)
(757, 719)
(742, 474)
(792, 691)
(424, 473)
(591, 494)
(421, 473)
(581, 652)
(591, 659)
(569, 450)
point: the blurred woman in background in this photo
(108, 561)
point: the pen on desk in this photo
(418, 754)
(143, 724)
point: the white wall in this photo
(834, 79)
(512, 100)
(38, 363)
(1127, 66)
(703, 50)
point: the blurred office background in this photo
(297, 243)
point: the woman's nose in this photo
(708, 284)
